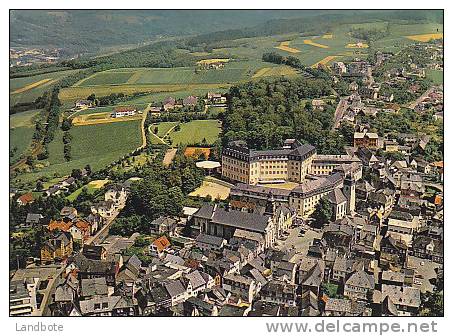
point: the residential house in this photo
(57, 247)
(25, 199)
(359, 285)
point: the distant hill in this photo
(92, 31)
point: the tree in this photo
(66, 124)
(432, 304)
(323, 213)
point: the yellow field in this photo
(98, 184)
(73, 93)
(425, 37)
(33, 85)
(101, 118)
(327, 36)
(358, 45)
(285, 47)
(310, 42)
(213, 60)
(324, 61)
(275, 71)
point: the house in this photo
(95, 252)
(176, 291)
(367, 139)
(80, 104)
(123, 111)
(57, 247)
(393, 251)
(338, 307)
(104, 208)
(159, 247)
(194, 306)
(407, 300)
(243, 286)
(279, 292)
(168, 104)
(68, 213)
(207, 242)
(163, 225)
(25, 199)
(223, 222)
(22, 297)
(93, 287)
(190, 101)
(80, 230)
(216, 98)
(114, 305)
(117, 193)
(402, 225)
(428, 248)
(91, 268)
(33, 219)
(359, 285)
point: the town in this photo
(319, 195)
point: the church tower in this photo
(349, 191)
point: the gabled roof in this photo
(161, 243)
(336, 196)
(361, 279)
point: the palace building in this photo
(292, 162)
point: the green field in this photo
(96, 145)
(195, 131)
(33, 93)
(21, 132)
(107, 77)
(437, 76)
(20, 139)
(164, 127)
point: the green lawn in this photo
(195, 131)
(437, 76)
(96, 145)
(164, 127)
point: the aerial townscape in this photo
(258, 163)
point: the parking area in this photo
(298, 242)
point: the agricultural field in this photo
(275, 71)
(27, 89)
(21, 132)
(195, 131)
(285, 47)
(117, 77)
(425, 37)
(91, 188)
(96, 145)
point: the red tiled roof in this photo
(161, 243)
(125, 109)
(26, 198)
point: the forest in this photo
(266, 112)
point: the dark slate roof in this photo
(336, 196)
(209, 239)
(241, 220)
(96, 286)
(174, 287)
(205, 211)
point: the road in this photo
(422, 97)
(339, 112)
